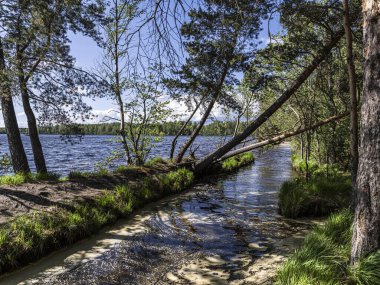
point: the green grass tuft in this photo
(156, 160)
(128, 169)
(16, 179)
(317, 196)
(324, 256)
(235, 162)
(49, 176)
(367, 271)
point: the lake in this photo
(62, 156)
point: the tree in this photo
(263, 117)
(352, 86)
(37, 44)
(219, 39)
(366, 236)
(114, 67)
(18, 156)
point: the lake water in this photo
(62, 156)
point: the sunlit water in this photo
(211, 234)
(83, 155)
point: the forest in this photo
(258, 75)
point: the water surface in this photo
(213, 234)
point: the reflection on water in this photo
(212, 235)
(62, 157)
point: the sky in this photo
(88, 54)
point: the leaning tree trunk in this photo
(352, 85)
(366, 236)
(282, 137)
(174, 141)
(16, 148)
(38, 154)
(209, 159)
(205, 116)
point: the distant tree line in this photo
(216, 128)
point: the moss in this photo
(318, 196)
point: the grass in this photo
(156, 161)
(29, 237)
(315, 169)
(21, 178)
(324, 258)
(318, 196)
(233, 163)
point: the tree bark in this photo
(201, 123)
(209, 159)
(282, 137)
(174, 141)
(353, 99)
(38, 154)
(16, 148)
(366, 235)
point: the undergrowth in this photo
(324, 258)
(317, 196)
(21, 178)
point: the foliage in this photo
(317, 196)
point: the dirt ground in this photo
(36, 196)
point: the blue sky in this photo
(88, 54)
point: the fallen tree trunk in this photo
(283, 136)
(209, 159)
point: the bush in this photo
(318, 196)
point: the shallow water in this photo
(212, 234)
(82, 155)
